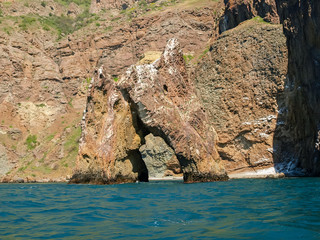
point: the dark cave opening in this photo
(165, 88)
(142, 130)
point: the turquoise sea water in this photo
(237, 209)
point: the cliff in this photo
(234, 93)
(49, 50)
(155, 98)
(238, 11)
(241, 84)
(299, 141)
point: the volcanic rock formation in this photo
(155, 98)
(237, 11)
(48, 53)
(241, 83)
(301, 139)
(159, 158)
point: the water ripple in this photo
(237, 209)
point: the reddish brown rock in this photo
(241, 83)
(98, 5)
(237, 11)
(44, 77)
(157, 98)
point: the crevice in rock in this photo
(142, 130)
(138, 165)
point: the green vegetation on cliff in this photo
(31, 142)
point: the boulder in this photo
(159, 158)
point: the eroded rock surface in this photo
(159, 158)
(5, 164)
(99, 5)
(237, 11)
(299, 143)
(241, 83)
(47, 68)
(157, 98)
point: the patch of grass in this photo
(71, 147)
(259, 19)
(143, 7)
(31, 142)
(73, 139)
(22, 169)
(187, 57)
(50, 137)
(204, 53)
(1, 13)
(7, 30)
(65, 25)
(87, 82)
(83, 3)
(42, 169)
(109, 28)
(115, 19)
(26, 22)
(70, 102)
(7, 4)
(44, 157)
(41, 105)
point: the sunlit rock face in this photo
(98, 5)
(241, 84)
(157, 98)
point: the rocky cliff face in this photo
(237, 11)
(241, 83)
(234, 81)
(156, 98)
(48, 68)
(300, 141)
(101, 5)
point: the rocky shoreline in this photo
(132, 91)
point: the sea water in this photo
(236, 209)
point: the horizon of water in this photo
(236, 209)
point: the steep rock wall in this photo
(300, 141)
(45, 74)
(157, 98)
(237, 11)
(241, 83)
